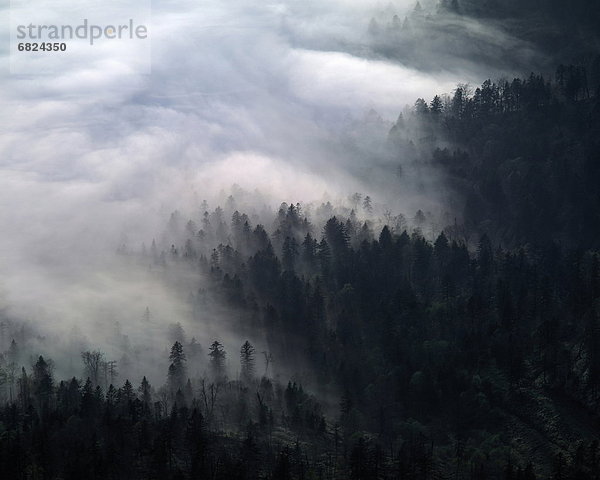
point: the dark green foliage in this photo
(177, 370)
(472, 354)
(247, 361)
(217, 356)
(433, 346)
(437, 355)
(523, 156)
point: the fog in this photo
(289, 98)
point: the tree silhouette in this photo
(177, 368)
(217, 356)
(247, 361)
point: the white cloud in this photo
(240, 91)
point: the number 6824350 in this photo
(42, 47)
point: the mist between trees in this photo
(342, 340)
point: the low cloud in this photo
(248, 93)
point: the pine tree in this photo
(367, 205)
(145, 395)
(324, 256)
(421, 107)
(42, 383)
(111, 395)
(290, 253)
(309, 252)
(436, 106)
(385, 238)
(88, 404)
(247, 361)
(217, 359)
(177, 369)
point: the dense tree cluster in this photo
(468, 353)
(493, 35)
(439, 355)
(205, 428)
(437, 352)
(523, 153)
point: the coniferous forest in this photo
(352, 340)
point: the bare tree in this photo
(209, 396)
(11, 377)
(268, 359)
(355, 199)
(109, 372)
(92, 362)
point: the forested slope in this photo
(523, 153)
(446, 363)
(402, 349)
